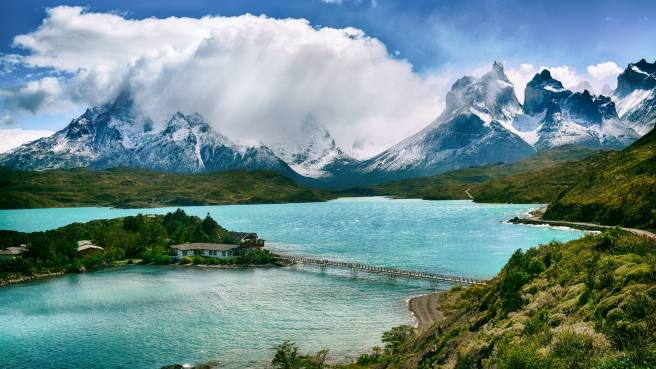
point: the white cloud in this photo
(598, 76)
(252, 77)
(520, 76)
(14, 137)
(604, 70)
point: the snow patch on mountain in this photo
(117, 134)
(317, 156)
(472, 130)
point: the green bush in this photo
(523, 357)
(520, 269)
(185, 260)
(646, 360)
(198, 260)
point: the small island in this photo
(174, 238)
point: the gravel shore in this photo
(425, 309)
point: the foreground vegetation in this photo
(136, 188)
(586, 304)
(144, 238)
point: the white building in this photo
(11, 253)
(86, 248)
(210, 250)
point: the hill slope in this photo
(125, 187)
(587, 304)
(621, 190)
(452, 185)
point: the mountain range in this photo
(483, 123)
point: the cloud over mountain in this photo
(254, 77)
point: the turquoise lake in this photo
(147, 316)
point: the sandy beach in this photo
(425, 309)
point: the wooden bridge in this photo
(392, 272)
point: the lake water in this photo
(146, 316)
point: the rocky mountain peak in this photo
(542, 89)
(491, 97)
(637, 76)
(317, 155)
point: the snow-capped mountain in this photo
(117, 134)
(635, 96)
(317, 156)
(555, 116)
(484, 123)
(472, 130)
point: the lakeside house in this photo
(210, 250)
(11, 253)
(247, 239)
(85, 248)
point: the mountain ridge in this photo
(482, 123)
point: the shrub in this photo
(198, 260)
(185, 260)
(523, 356)
(396, 338)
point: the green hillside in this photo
(620, 190)
(537, 186)
(124, 187)
(586, 304)
(452, 185)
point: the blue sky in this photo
(576, 33)
(438, 40)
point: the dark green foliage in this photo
(145, 237)
(288, 357)
(132, 188)
(523, 357)
(645, 360)
(619, 190)
(574, 351)
(397, 338)
(520, 269)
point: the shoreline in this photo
(425, 310)
(580, 226)
(25, 279)
(35, 277)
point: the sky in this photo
(372, 72)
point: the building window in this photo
(184, 253)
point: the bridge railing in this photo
(384, 270)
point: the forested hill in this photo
(619, 190)
(131, 188)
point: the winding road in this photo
(584, 226)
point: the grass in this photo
(134, 188)
(619, 190)
(452, 185)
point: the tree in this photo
(286, 356)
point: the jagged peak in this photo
(497, 73)
(491, 97)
